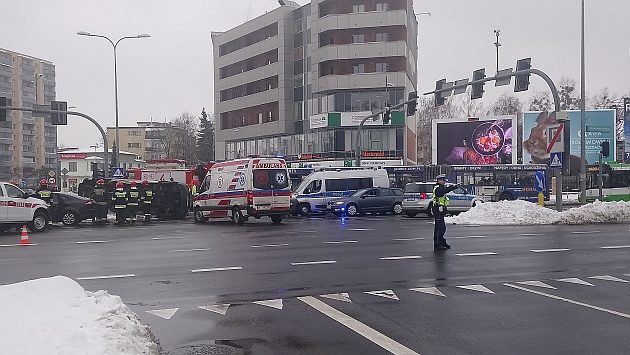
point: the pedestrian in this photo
(440, 203)
(120, 203)
(44, 193)
(147, 200)
(134, 202)
(193, 189)
(101, 199)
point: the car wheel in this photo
(411, 214)
(70, 218)
(397, 209)
(237, 216)
(352, 210)
(39, 222)
(199, 217)
(304, 209)
(276, 219)
(506, 197)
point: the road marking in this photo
(530, 234)
(166, 238)
(93, 241)
(360, 229)
(536, 283)
(344, 297)
(341, 241)
(428, 290)
(480, 288)
(401, 257)
(106, 277)
(575, 280)
(616, 247)
(185, 250)
(18, 245)
(314, 262)
(607, 278)
(277, 303)
(228, 268)
(269, 245)
(217, 308)
(407, 239)
(548, 250)
(384, 293)
(369, 333)
(570, 301)
(477, 254)
(582, 232)
(164, 313)
(471, 236)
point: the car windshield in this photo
(359, 193)
(417, 188)
(271, 179)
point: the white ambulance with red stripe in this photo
(17, 209)
(243, 188)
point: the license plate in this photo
(410, 199)
(263, 207)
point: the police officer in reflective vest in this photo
(120, 203)
(146, 196)
(100, 197)
(134, 202)
(440, 202)
(43, 193)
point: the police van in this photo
(17, 209)
(320, 187)
(243, 188)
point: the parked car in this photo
(419, 199)
(17, 209)
(372, 200)
(71, 209)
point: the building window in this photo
(134, 145)
(358, 38)
(381, 67)
(358, 68)
(382, 6)
(260, 117)
(72, 166)
(382, 37)
(358, 8)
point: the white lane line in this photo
(401, 257)
(477, 254)
(530, 234)
(570, 301)
(616, 247)
(360, 229)
(548, 250)
(472, 236)
(93, 241)
(166, 238)
(186, 250)
(314, 262)
(269, 245)
(17, 245)
(585, 232)
(371, 334)
(407, 239)
(106, 277)
(228, 268)
(341, 241)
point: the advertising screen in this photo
(600, 126)
(481, 142)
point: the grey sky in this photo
(170, 73)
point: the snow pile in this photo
(57, 316)
(527, 213)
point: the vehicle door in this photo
(459, 200)
(3, 205)
(369, 201)
(15, 204)
(386, 200)
(313, 195)
(58, 205)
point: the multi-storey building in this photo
(28, 145)
(297, 80)
(149, 140)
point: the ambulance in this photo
(243, 188)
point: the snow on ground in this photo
(527, 213)
(57, 316)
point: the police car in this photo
(419, 198)
(17, 209)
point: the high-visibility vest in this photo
(148, 197)
(194, 190)
(439, 201)
(134, 196)
(120, 199)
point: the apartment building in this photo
(28, 145)
(149, 140)
(297, 80)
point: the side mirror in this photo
(363, 196)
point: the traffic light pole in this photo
(103, 135)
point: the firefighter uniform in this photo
(43, 193)
(99, 195)
(147, 199)
(120, 200)
(133, 202)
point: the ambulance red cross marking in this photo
(555, 137)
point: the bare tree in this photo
(568, 95)
(180, 137)
(540, 101)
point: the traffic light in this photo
(56, 118)
(477, 89)
(605, 149)
(439, 99)
(522, 81)
(4, 102)
(412, 103)
(386, 115)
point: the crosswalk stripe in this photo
(536, 283)
(575, 280)
(428, 290)
(480, 288)
(607, 278)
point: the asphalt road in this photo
(367, 285)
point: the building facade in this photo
(28, 145)
(297, 80)
(149, 140)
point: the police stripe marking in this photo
(228, 268)
(106, 277)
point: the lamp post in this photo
(497, 44)
(114, 45)
(583, 120)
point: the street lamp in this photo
(114, 45)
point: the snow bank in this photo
(527, 213)
(57, 316)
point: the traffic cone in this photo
(24, 238)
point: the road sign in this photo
(554, 138)
(64, 171)
(540, 181)
(52, 181)
(555, 160)
(51, 173)
(118, 173)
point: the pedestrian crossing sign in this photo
(118, 173)
(555, 160)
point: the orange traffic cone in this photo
(24, 238)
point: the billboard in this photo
(626, 128)
(600, 126)
(488, 140)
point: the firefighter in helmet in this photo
(100, 197)
(134, 201)
(43, 192)
(146, 197)
(120, 203)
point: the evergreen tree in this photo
(205, 138)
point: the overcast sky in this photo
(171, 72)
